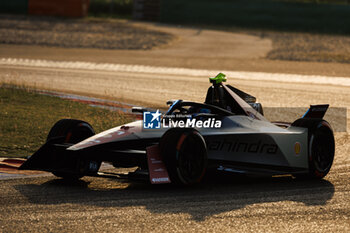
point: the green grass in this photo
(111, 8)
(344, 2)
(26, 118)
(295, 16)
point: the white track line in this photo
(260, 76)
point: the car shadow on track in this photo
(214, 196)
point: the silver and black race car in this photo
(226, 133)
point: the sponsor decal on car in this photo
(158, 173)
(244, 147)
(297, 148)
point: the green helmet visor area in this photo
(218, 78)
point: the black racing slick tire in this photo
(321, 147)
(184, 153)
(74, 131)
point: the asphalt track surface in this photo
(224, 204)
(95, 204)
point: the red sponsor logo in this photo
(157, 170)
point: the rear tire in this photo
(321, 147)
(74, 131)
(185, 155)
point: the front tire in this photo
(185, 155)
(321, 147)
(74, 131)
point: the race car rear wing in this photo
(220, 95)
(316, 111)
(245, 96)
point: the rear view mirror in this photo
(139, 110)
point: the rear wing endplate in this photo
(316, 111)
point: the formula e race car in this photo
(227, 133)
